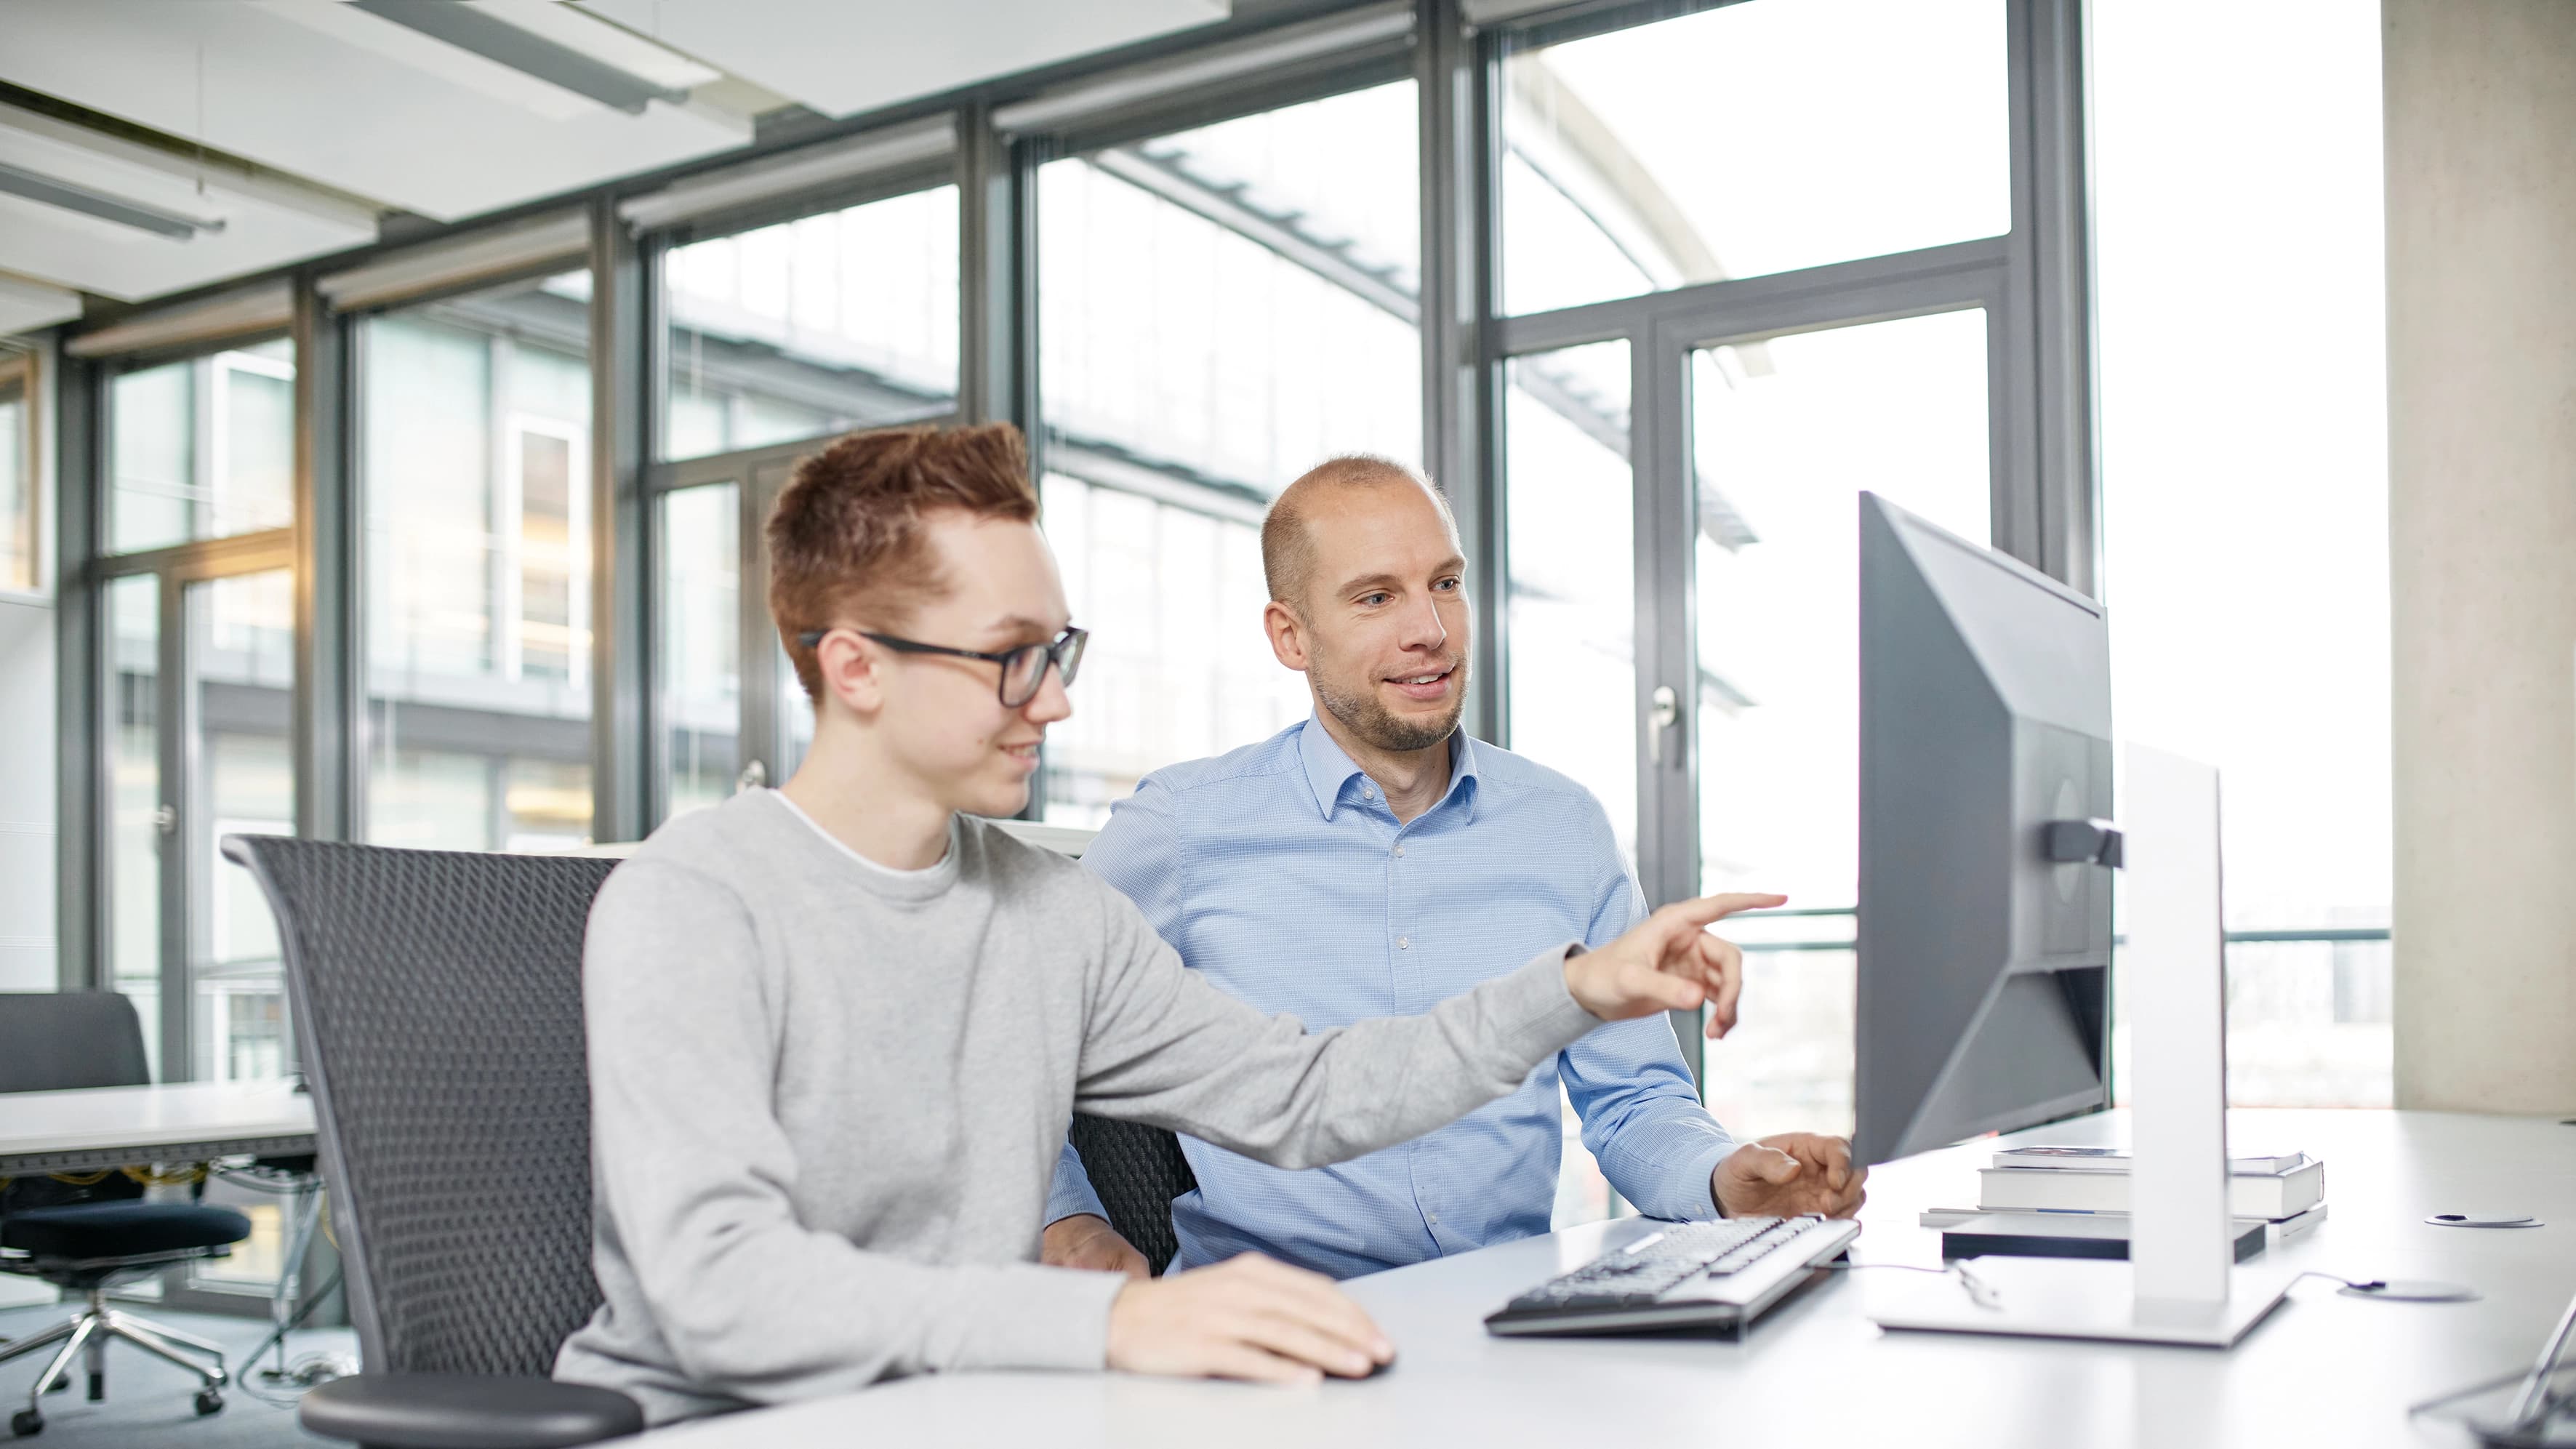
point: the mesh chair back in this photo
(1137, 1170)
(60, 1041)
(437, 996)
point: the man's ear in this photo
(1287, 635)
(852, 673)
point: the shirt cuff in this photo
(1072, 1196)
(1708, 1165)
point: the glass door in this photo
(236, 665)
(200, 692)
(728, 714)
(1783, 435)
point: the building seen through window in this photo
(812, 327)
(1218, 311)
(475, 479)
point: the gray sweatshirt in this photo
(826, 1097)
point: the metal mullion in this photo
(1659, 459)
(83, 660)
(1801, 298)
(2051, 169)
(762, 735)
(173, 747)
(731, 467)
(204, 558)
(273, 550)
(624, 360)
(1752, 320)
(2012, 337)
(1459, 147)
(322, 731)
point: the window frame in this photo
(2034, 282)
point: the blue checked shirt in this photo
(1279, 871)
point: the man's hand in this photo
(1246, 1318)
(1087, 1242)
(1668, 963)
(1792, 1173)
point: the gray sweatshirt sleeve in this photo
(694, 1173)
(1165, 1047)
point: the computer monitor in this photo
(1985, 717)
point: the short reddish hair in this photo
(846, 543)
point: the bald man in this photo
(1373, 860)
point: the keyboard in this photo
(1686, 1275)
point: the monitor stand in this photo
(2180, 1284)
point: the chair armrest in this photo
(466, 1411)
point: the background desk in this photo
(2324, 1369)
(132, 1126)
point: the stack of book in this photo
(2073, 1202)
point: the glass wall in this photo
(1786, 434)
(1570, 600)
(18, 517)
(1751, 138)
(814, 326)
(474, 470)
(1218, 310)
(2245, 496)
(202, 448)
(697, 644)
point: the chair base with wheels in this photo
(88, 1333)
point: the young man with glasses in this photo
(1374, 859)
(837, 1030)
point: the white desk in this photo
(2324, 1369)
(130, 1126)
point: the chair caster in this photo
(208, 1401)
(26, 1422)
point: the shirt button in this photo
(1367, 794)
(1435, 1220)
(1404, 943)
(1399, 852)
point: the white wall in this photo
(2481, 148)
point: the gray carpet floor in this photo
(149, 1402)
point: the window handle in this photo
(753, 776)
(166, 819)
(1667, 712)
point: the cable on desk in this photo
(1980, 1292)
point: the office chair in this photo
(88, 1236)
(437, 998)
(1137, 1170)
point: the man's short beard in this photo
(1363, 716)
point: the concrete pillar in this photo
(2481, 154)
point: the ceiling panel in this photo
(842, 58)
(344, 98)
(250, 224)
(26, 306)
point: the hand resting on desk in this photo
(1788, 1174)
(1249, 1317)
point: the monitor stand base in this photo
(2073, 1298)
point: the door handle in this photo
(1666, 713)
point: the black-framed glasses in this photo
(1023, 669)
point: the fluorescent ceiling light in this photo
(469, 28)
(36, 186)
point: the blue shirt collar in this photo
(1329, 771)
